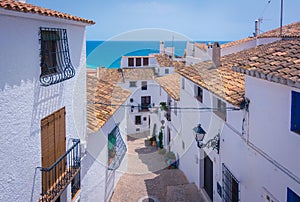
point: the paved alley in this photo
(147, 178)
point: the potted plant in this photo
(163, 106)
(160, 138)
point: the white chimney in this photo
(216, 54)
(162, 47)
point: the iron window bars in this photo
(55, 63)
(116, 148)
(230, 187)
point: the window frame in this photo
(130, 62)
(145, 61)
(295, 112)
(144, 85)
(136, 122)
(220, 110)
(138, 62)
(183, 83)
(167, 71)
(198, 93)
(230, 186)
(132, 84)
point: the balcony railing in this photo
(58, 176)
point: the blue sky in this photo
(197, 19)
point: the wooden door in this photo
(208, 177)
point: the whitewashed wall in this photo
(152, 62)
(136, 93)
(94, 163)
(24, 102)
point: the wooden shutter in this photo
(295, 112)
(53, 143)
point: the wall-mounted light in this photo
(199, 136)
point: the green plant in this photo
(163, 106)
(170, 155)
(160, 138)
(162, 151)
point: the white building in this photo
(249, 166)
(42, 98)
(103, 164)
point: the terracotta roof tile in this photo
(277, 62)
(234, 43)
(222, 81)
(171, 84)
(288, 31)
(29, 8)
(134, 74)
(164, 60)
(102, 91)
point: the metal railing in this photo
(57, 177)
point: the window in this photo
(145, 102)
(182, 83)
(53, 142)
(138, 120)
(55, 63)
(198, 93)
(145, 61)
(144, 85)
(292, 196)
(175, 107)
(145, 118)
(132, 84)
(130, 62)
(116, 148)
(167, 71)
(230, 186)
(295, 112)
(138, 62)
(220, 106)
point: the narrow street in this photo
(148, 180)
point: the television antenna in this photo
(261, 19)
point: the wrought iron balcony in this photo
(59, 175)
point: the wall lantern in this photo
(199, 136)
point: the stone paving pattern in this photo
(147, 175)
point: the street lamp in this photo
(199, 136)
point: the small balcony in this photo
(61, 173)
(143, 108)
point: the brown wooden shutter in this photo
(53, 143)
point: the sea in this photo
(109, 53)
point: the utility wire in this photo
(170, 107)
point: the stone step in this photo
(184, 193)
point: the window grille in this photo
(116, 149)
(230, 187)
(55, 63)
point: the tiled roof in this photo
(288, 31)
(29, 8)
(104, 92)
(134, 74)
(234, 43)
(222, 81)
(171, 84)
(109, 75)
(277, 62)
(164, 60)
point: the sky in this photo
(199, 20)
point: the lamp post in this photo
(200, 133)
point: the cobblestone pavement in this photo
(147, 175)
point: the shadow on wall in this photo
(46, 100)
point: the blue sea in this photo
(108, 53)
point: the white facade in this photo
(24, 102)
(98, 182)
(135, 100)
(152, 62)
